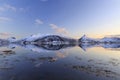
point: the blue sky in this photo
(95, 18)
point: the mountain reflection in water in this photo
(59, 62)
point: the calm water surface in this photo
(66, 64)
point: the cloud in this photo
(38, 21)
(2, 9)
(4, 19)
(6, 7)
(5, 34)
(113, 35)
(43, 0)
(57, 29)
(22, 9)
(53, 26)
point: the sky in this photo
(73, 18)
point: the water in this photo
(73, 63)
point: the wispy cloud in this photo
(43, 0)
(4, 19)
(8, 7)
(5, 34)
(2, 9)
(38, 21)
(113, 35)
(58, 29)
(22, 9)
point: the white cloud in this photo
(113, 35)
(4, 19)
(21, 9)
(53, 26)
(43, 0)
(5, 34)
(2, 9)
(57, 29)
(8, 7)
(38, 21)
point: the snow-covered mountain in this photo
(3, 42)
(12, 39)
(110, 40)
(55, 42)
(44, 39)
(85, 39)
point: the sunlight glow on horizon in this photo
(72, 18)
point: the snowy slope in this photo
(85, 39)
(54, 38)
(110, 40)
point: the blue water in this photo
(72, 63)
